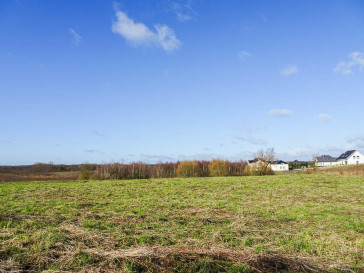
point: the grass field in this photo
(295, 223)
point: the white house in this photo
(279, 165)
(352, 157)
(325, 161)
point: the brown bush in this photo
(258, 168)
(188, 169)
(219, 167)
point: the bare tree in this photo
(314, 157)
(263, 160)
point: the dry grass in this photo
(290, 223)
(348, 170)
(44, 176)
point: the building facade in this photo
(352, 157)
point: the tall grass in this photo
(353, 170)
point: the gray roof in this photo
(280, 162)
(325, 158)
(346, 155)
(273, 162)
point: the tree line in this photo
(194, 168)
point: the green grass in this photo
(195, 224)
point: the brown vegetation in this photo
(188, 169)
(353, 170)
(219, 167)
(136, 170)
(297, 223)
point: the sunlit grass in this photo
(72, 225)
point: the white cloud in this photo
(183, 11)
(139, 34)
(324, 118)
(289, 70)
(76, 38)
(307, 153)
(280, 112)
(243, 54)
(356, 60)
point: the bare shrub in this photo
(163, 170)
(237, 168)
(42, 167)
(204, 168)
(139, 171)
(112, 171)
(85, 175)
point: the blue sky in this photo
(104, 81)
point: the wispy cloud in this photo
(356, 141)
(289, 70)
(92, 151)
(323, 118)
(248, 128)
(264, 19)
(247, 132)
(157, 158)
(244, 54)
(280, 112)
(98, 133)
(252, 140)
(183, 10)
(138, 34)
(356, 60)
(76, 38)
(356, 138)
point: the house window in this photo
(346, 163)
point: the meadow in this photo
(283, 223)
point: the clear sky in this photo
(104, 81)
